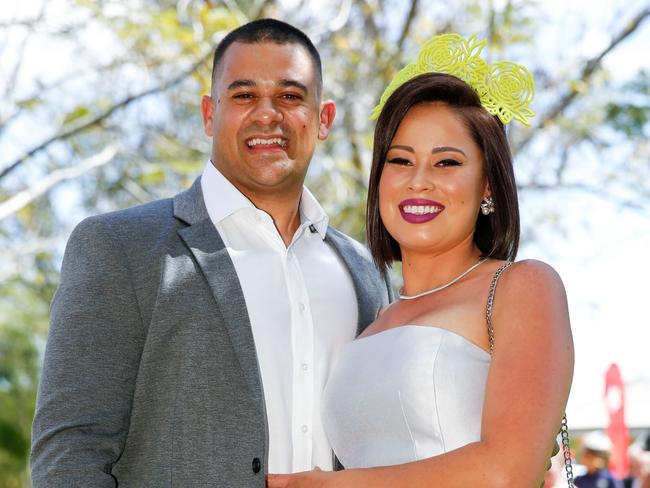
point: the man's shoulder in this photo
(362, 266)
(348, 243)
(149, 213)
(139, 223)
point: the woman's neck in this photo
(426, 270)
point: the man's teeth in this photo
(275, 140)
(421, 209)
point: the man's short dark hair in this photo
(268, 30)
(496, 235)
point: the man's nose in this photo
(266, 112)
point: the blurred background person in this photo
(596, 449)
(639, 453)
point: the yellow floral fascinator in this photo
(506, 89)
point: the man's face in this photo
(264, 118)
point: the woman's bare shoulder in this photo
(531, 292)
(531, 276)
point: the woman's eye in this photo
(448, 162)
(402, 161)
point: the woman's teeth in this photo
(421, 209)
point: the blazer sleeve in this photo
(90, 366)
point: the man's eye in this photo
(401, 161)
(292, 96)
(243, 96)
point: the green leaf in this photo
(79, 112)
(29, 103)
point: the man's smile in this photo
(267, 143)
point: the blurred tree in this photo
(23, 323)
(100, 111)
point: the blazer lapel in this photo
(365, 284)
(205, 243)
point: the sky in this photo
(602, 260)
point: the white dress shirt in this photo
(302, 308)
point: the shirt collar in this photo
(222, 200)
(221, 197)
(311, 213)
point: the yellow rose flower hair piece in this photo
(506, 89)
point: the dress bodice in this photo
(404, 394)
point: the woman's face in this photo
(433, 181)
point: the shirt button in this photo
(257, 465)
(301, 307)
(304, 429)
(304, 366)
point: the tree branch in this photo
(341, 18)
(590, 67)
(66, 134)
(23, 198)
(13, 77)
(369, 19)
(413, 11)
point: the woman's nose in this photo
(421, 179)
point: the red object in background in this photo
(619, 464)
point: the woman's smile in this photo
(419, 210)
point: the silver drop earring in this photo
(487, 206)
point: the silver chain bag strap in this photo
(564, 429)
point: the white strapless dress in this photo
(404, 394)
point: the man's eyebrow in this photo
(293, 83)
(241, 84)
(245, 83)
(440, 149)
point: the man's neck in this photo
(283, 205)
(285, 214)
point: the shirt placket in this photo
(302, 335)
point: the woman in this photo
(422, 398)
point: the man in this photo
(190, 338)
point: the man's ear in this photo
(327, 114)
(207, 109)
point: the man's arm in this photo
(389, 285)
(91, 363)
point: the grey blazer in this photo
(150, 376)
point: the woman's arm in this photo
(526, 394)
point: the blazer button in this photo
(257, 465)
